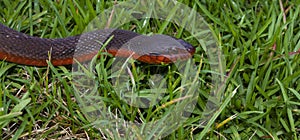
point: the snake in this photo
(20, 48)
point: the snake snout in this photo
(187, 46)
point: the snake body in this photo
(23, 49)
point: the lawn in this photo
(241, 83)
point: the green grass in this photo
(260, 93)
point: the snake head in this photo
(160, 49)
(153, 49)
